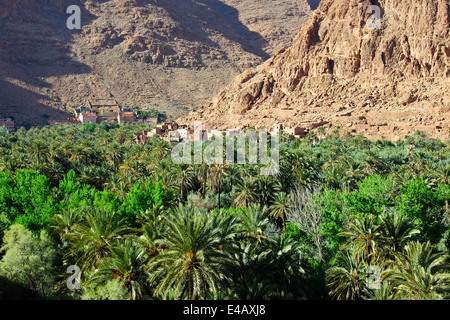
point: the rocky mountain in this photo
(340, 71)
(171, 55)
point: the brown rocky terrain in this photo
(385, 83)
(171, 55)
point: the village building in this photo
(86, 117)
(125, 117)
(297, 132)
(7, 123)
(172, 132)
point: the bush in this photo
(29, 260)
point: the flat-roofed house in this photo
(127, 116)
(179, 135)
(8, 123)
(86, 117)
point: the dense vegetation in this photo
(341, 212)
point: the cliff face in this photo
(384, 82)
(159, 54)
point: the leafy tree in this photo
(30, 200)
(29, 260)
(374, 195)
(425, 206)
(142, 197)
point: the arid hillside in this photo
(171, 55)
(385, 82)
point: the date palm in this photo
(115, 155)
(216, 176)
(201, 172)
(126, 263)
(266, 188)
(39, 151)
(245, 193)
(279, 208)
(64, 222)
(161, 149)
(54, 171)
(347, 279)
(194, 259)
(365, 234)
(418, 273)
(183, 176)
(152, 229)
(91, 238)
(396, 231)
(253, 222)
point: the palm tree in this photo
(126, 263)
(115, 155)
(245, 193)
(216, 176)
(64, 222)
(396, 231)
(161, 149)
(353, 172)
(279, 208)
(251, 281)
(418, 273)
(126, 170)
(39, 151)
(183, 177)
(253, 222)
(54, 171)
(195, 258)
(76, 153)
(91, 239)
(233, 175)
(385, 292)
(201, 172)
(365, 234)
(266, 187)
(347, 279)
(152, 229)
(87, 148)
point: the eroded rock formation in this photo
(385, 83)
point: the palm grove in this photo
(344, 218)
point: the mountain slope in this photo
(163, 54)
(384, 82)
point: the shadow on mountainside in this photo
(313, 4)
(35, 45)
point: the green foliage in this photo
(374, 195)
(142, 227)
(195, 255)
(26, 200)
(426, 206)
(111, 290)
(29, 260)
(142, 197)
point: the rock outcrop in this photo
(384, 82)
